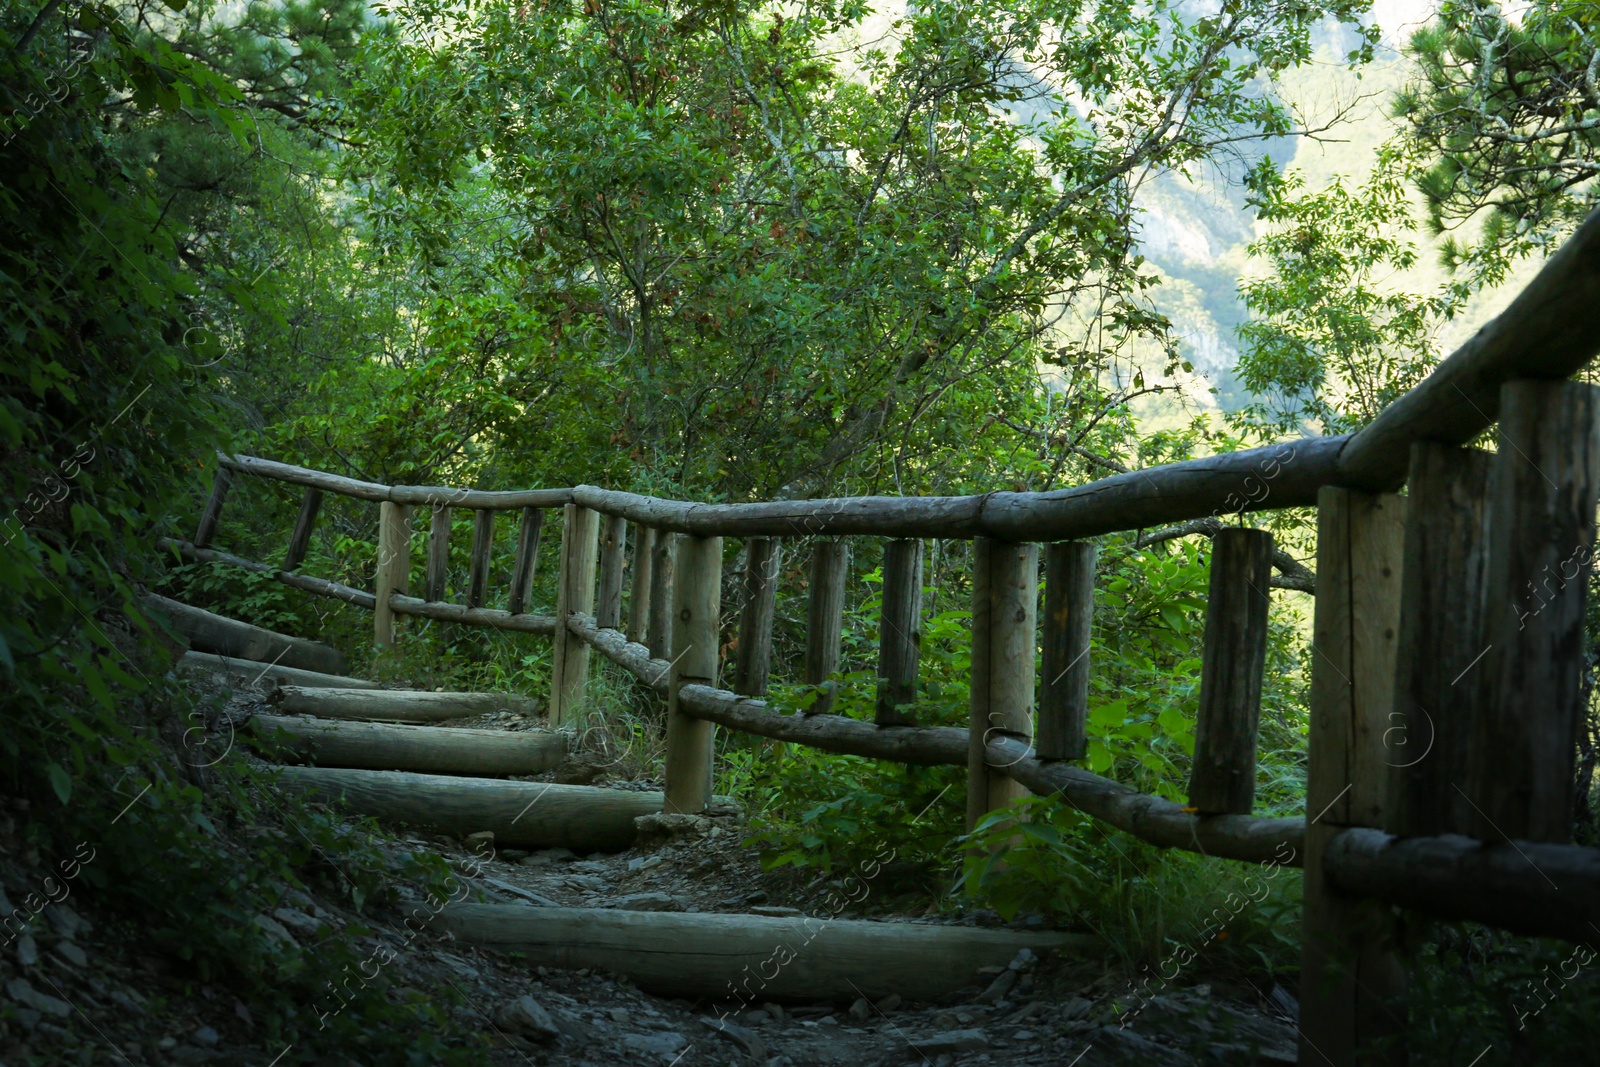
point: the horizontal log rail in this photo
(432, 495)
(398, 603)
(1536, 889)
(320, 586)
(1153, 819)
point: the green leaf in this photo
(60, 781)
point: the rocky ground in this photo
(78, 992)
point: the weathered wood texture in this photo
(1234, 657)
(221, 480)
(1005, 709)
(644, 552)
(754, 958)
(320, 586)
(1068, 617)
(388, 747)
(396, 494)
(1441, 639)
(696, 600)
(266, 676)
(305, 521)
(438, 572)
(482, 553)
(659, 633)
(1349, 965)
(613, 548)
(209, 632)
(394, 567)
(1158, 821)
(1550, 331)
(978, 682)
(569, 673)
(1277, 476)
(1528, 887)
(500, 620)
(830, 564)
(758, 604)
(527, 560)
(394, 705)
(1542, 494)
(899, 631)
(520, 814)
(1355, 639)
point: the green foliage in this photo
(1041, 857)
(1504, 112)
(1473, 988)
(1332, 340)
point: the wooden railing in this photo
(1444, 702)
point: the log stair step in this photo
(432, 749)
(394, 705)
(520, 814)
(754, 957)
(206, 631)
(254, 674)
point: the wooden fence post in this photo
(482, 547)
(438, 553)
(1349, 968)
(644, 557)
(1068, 615)
(899, 631)
(830, 563)
(1005, 595)
(696, 600)
(763, 560)
(394, 567)
(207, 529)
(613, 545)
(1440, 642)
(300, 539)
(659, 635)
(527, 560)
(1542, 492)
(569, 668)
(1223, 780)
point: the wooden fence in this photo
(1449, 652)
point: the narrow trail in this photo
(536, 1004)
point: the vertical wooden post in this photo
(1349, 967)
(482, 546)
(1005, 595)
(527, 559)
(613, 545)
(659, 635)
(1223, 780)
(1068, 613)
(696, 600)
(438, 553)
(569, 667)
(220, 482)
(830, 563)
(644, 556)
(1440, 642)
(899, 631)
(300, 539)
(394, 566)
(1542, 495)
(763, 560)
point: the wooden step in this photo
(267, 676)
(395, 705)
(521, 814)
(432, 749)
(206, 631)
(752, 958)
